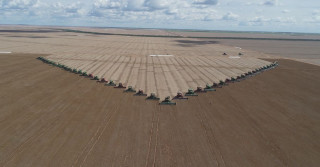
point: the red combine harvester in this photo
(103, 80)
(120, 86)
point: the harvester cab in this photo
(130, 89)
(167, 101)
(191, 93)
(140, 93)
(180, 96)
(209, 88)
(120, 86)
(152, 97)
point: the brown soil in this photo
(49, 117)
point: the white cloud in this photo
(316, 16)
(18, 4)
(71, 10)
(106, 4)
(230, 16)
(285, 11)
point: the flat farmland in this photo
(183, 63)
(50, 117)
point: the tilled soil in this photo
(50, 117)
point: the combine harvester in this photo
(215, 85)
(111, 83)
(180, 96)
(141, 93)
(200, 90)
(130, 89)
(96, 78)
(209, 88)
(152, 97)
(167, 101)
(191, 93)
(103, 80)
(120, 85)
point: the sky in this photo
(234, 15)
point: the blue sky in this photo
(240, 15)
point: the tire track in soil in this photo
(96, 137)
(210, 135)
(150, 138)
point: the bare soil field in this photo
(49, 117)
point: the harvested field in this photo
(53, 118)
(164, 76)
